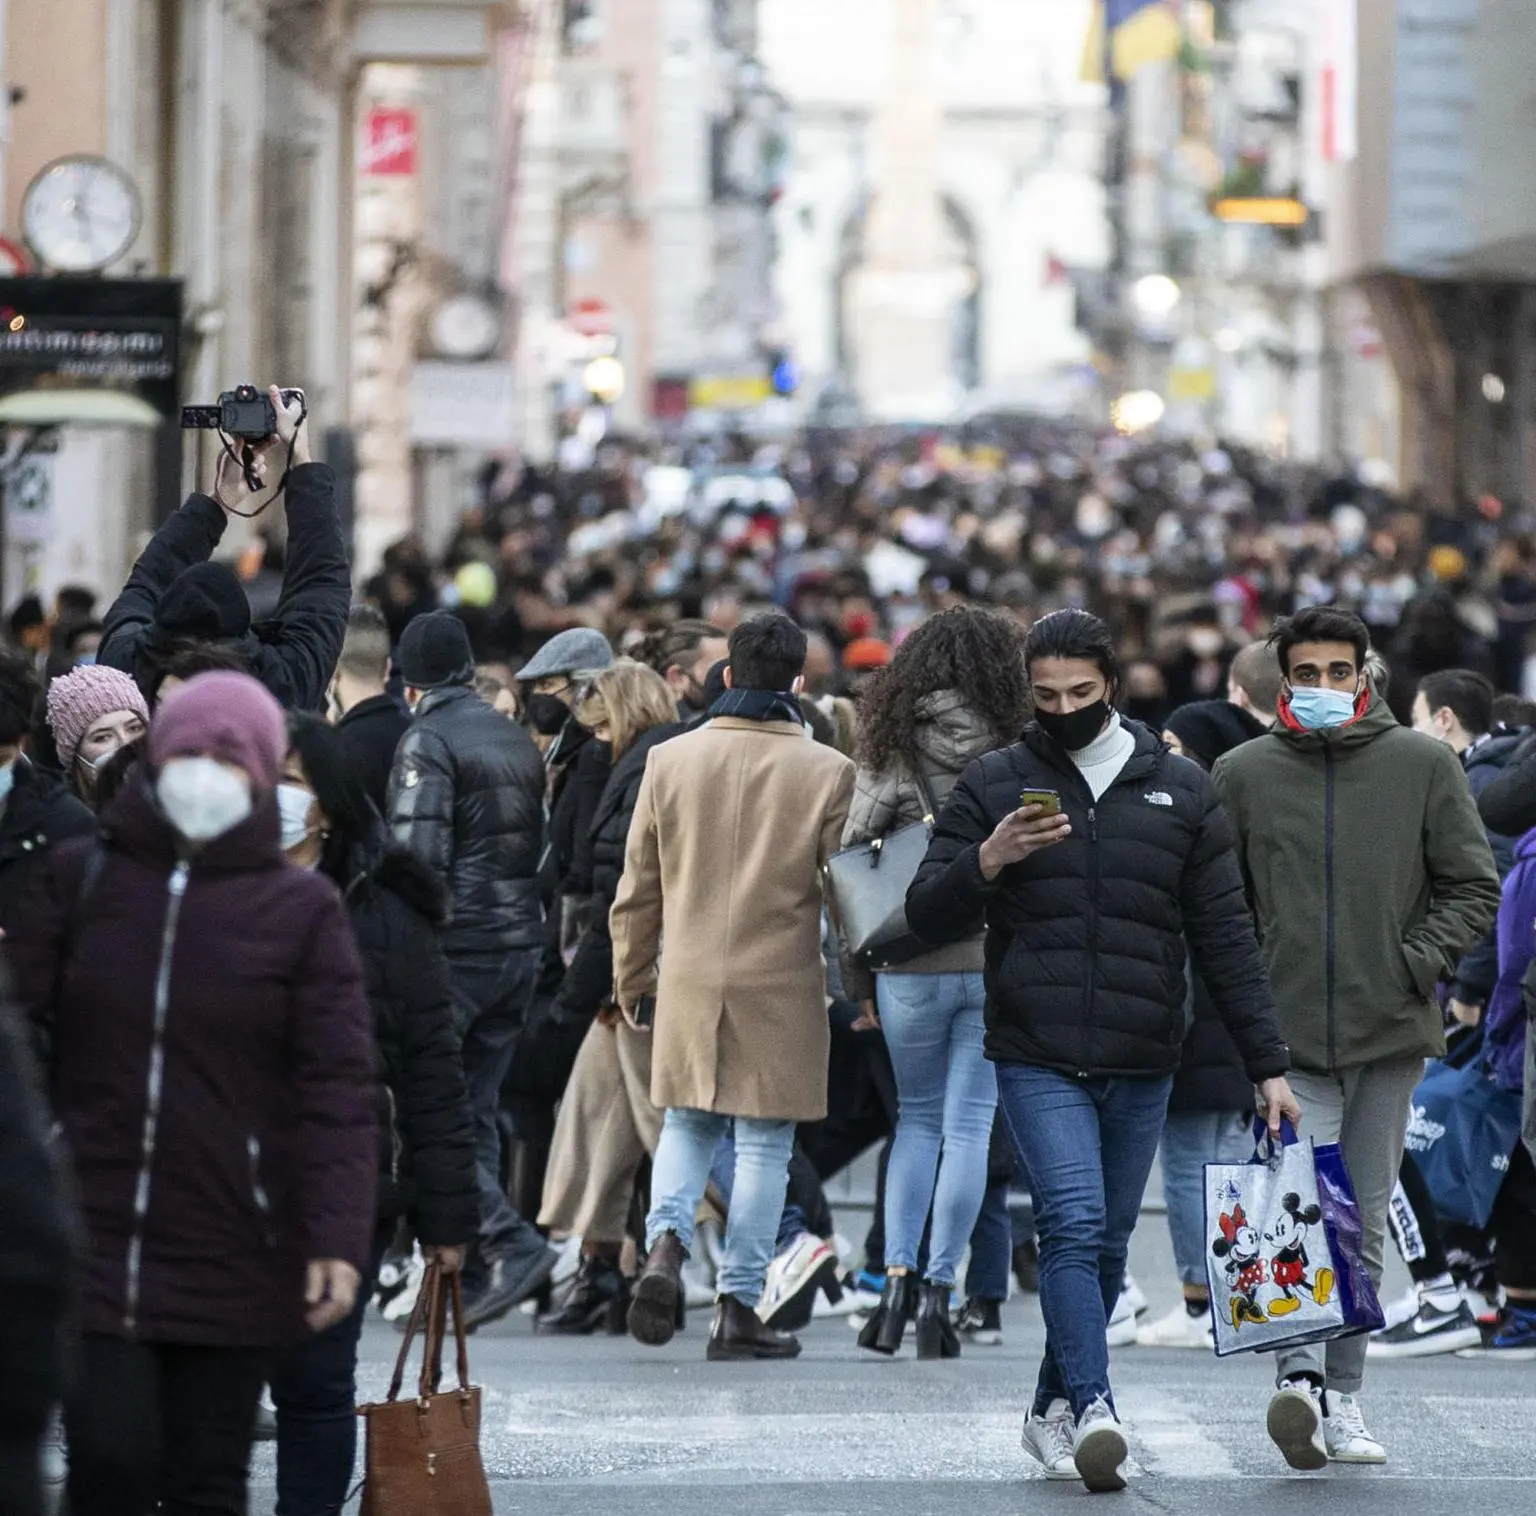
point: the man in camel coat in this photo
(733, 824)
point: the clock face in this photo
(81, 214)
(465, 327)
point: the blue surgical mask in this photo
(7, 779)
(1323, 710)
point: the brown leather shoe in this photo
(738, 1334)
(653, 1311)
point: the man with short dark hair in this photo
(722, 883)
(467, 799)
(1454, 706)
(1253, 682)
(368, 719)
(1370, 876)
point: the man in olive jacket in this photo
(1370, 875)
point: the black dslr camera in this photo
(245, 412)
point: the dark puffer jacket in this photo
(467, 800)
(589, 982)
(41, 810)
(427, 1165)
(1085, 940)
(213, 1072)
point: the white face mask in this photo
(293, 803)
(202, 799)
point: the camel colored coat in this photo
(730, 832)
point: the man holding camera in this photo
(177, 596)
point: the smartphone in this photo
(645, 1011)
(1050, 799)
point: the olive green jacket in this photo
(1369, 874)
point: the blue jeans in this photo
(1089, 1146)
(948, 1095)
(680, 1171)
(722, 1174)
(1192, 1139)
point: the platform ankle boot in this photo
(936, 1334)
(884, 1330)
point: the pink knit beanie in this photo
(227, 716)
(78, 700)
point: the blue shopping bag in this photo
(1285, 1258)
(1462, 1129)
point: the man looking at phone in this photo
(1370, 875)
(176, 595)
(722, 882)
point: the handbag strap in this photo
(925, 791)
(421, 1313)
(448, 1288)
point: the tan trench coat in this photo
(732, 826)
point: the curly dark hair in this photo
(976, 652)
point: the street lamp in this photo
(1137, 411)
(1156, 296)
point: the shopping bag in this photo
(422, 1456)
(1462, 1129)
(1284, 1256)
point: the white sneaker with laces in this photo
(1178, 1329)
(1049, 1441)
(1347, 1439)
(794, 1282)
(1133, 1292)
(1121, 1332)
(1296, 1424)
(1100, 1449)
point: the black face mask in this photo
(547, 714)
(1076, 729)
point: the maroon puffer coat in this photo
(213, 1067)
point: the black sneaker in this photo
(981, 1322)
(1429, 1331)
(508, 1283)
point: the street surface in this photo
(603, 1427)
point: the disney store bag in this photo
(1284, 1254)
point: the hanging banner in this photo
(390, 144)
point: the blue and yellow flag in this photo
(1140, 32)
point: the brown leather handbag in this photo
(423, 1455)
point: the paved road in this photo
(602, 1426)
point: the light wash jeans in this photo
(1192, 1139)
(948, 1096)
(680, 1171)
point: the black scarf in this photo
(759, 705)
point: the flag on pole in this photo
(1138, 32)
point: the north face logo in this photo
(1157, 797)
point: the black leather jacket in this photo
(467, 798)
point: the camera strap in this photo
(248, 469)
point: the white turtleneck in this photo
(1101, 761)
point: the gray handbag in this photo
(868, 884)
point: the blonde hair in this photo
(629, 699)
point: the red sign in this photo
(390, 147)
(591, 318)
(13, 259)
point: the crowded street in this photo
(766, 757)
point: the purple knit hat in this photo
(78, 700)
(226, 716)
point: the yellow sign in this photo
(1187, 384)
(1262, 210)
(728, 392)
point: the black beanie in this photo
(1209, 729)
(206, 602)
(434, 650)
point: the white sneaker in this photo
(1296, 1424)
(399, 1309)
(1178, 1329)
(1050, 1439)
(1122, 1325)
(1345, 1433)
(1100, 1449)
(1132, 1292)
(1404, 1308)
(794, 1283)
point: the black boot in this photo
(884, 1330)
(738, 1335)
(595, 1293)
(936, 1335)
(655, 1308)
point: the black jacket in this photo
(39, 1247)
(1085, 940)
(578, 768)
(294, 654)
(40, 811)
(467, 799)
(1211, 1076)
(427, 1163)
(1478, 971)
(1507, 804)
(589, 981)
(371, 733)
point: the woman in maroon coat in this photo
(214, 1074)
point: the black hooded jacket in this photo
(294, 653)
(467, 800)
(41, 810)
(427, 1160)
(1085, 943)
